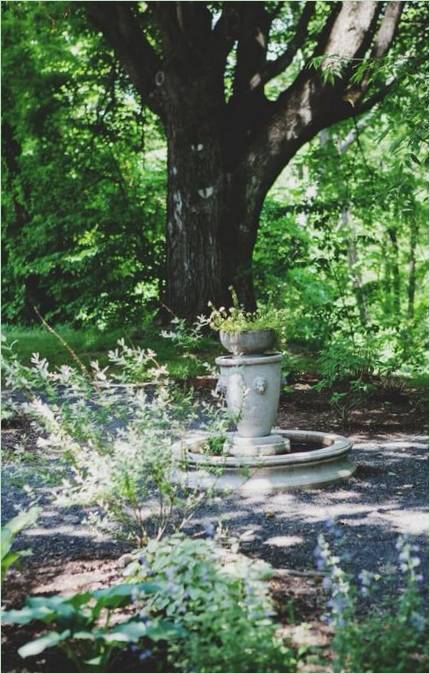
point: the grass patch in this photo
(92, 344)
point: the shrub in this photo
(118, 439)
(225, 609)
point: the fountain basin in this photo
(316, 459)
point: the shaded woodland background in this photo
(343, 232)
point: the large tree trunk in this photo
(211, 227)
(213, 204)
(195, 200)
(238, 237)
(196, 190)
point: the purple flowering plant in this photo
(394, 639)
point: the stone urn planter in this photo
(250, 379)
(248, 341)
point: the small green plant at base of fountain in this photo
(215, 445)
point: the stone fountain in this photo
(258, 457)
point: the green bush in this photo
(118, 439)
(225, 609)
(385, 639)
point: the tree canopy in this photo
(88, 190)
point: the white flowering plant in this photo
(236, 319)
(117, 439)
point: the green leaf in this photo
(131, 631)
(7, 562)
(39, 645)
(6, 541)
(165, 630)
(27, 615)
(61, 608)
(96, 662)
(86, 634)
(120, 595)
(23, 520)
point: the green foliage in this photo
(383, 643)
(347, 257)
(87, 625)
(91, 344)
(352, 367)
(9, 532)
(224, 610)
(85, 205)
(215, 445)
(343, 235)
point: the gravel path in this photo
(386, 497)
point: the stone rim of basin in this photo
(334, 446)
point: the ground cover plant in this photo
(392, 639)
(189, 608)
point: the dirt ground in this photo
(386, 496)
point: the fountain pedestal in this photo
(251, 385)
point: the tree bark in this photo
(412, 280)
(395, 269)
(212, 225)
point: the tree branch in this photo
(119, 24)
(387, 29)
(350, 29)
(353, 135)
(184, 24)
(276, 67)
(382, 43)
(252, 46)
(228, 27)
(312, 102)
(377, 97)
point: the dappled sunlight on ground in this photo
(284, 541)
